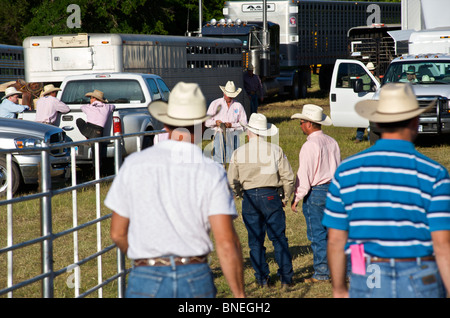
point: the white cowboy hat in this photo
(397, 102)
(186, 106)
(230, 90)
(370, 66)
(98, 95)
(50, 88)
(11, 91)
(314, 114)
(259, 126)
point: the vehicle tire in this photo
(16, 178)
(148, 140)
(295, 89)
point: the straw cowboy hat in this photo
(186, 106)
(397, 102)
(259, 126)
(98, 95)
(11, 91)
(230, 90)
(50, 88)
(314, 114)
(370, 66)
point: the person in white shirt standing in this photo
(48, 106)
(166, 199)
(228, 119)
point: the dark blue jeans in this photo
(262, 211)
(313, 206)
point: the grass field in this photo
(27, 219)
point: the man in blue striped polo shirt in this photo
(389, 207)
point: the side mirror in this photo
(358, 85)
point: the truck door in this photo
(351, 82)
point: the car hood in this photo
(29, 128)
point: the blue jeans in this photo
(185, 281)
(253, 103)
(398, 280)
(262, 211)
(313, 206)
(230, 144)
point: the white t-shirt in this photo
(168, 191)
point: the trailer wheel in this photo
(16, 178)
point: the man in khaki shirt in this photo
(260, 173)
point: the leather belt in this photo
(167, 261)
(412, 259)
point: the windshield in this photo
(116, 91)
(421, 72)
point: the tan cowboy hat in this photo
(370, 66)
(258, 125)
(230, 90)
(97, 94)
(11, 91)
(313, 113)
(397, 102)
(50, 88)
(186, 106)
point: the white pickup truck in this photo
(129, 92)
(353, 82)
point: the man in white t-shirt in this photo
(166, 199)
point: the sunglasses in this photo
(303, 121)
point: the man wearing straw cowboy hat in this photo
(259, 171)
(10, 104)
(97, 114)
(389, 207)
(48, 106)
(227, 119)
(318, 159)
(166, 199)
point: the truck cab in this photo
(429, 75)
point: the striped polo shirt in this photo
(390, 198)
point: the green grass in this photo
(27, 219)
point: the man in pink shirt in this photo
(48, 106)
(97, 114)
(318, 159)
(231, 118)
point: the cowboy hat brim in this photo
(11, 94)
(96, 97)
(368, 109)
(271, 130)
(158, 110)
(326, 121)
(231, 94)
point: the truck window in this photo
(153, 88)
(165, 91)
(116, 91)
(349, 72)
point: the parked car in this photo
(20, 134)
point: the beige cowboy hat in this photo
(11, 91)
(186, 106)
(50, 88)
(259, 126)
(230, 89)
(397, 102)
(313, 113)
(97, 94)
(370, 66)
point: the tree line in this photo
(20, 19)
